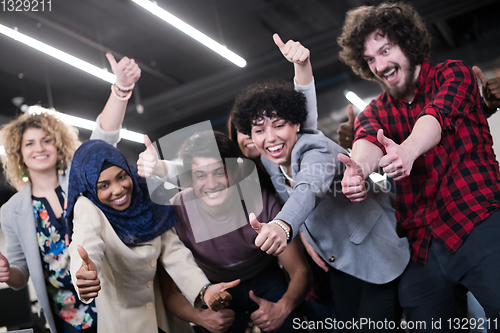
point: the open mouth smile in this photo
(276, 151)
(121, 200)
(391, 76)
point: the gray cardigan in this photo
(18, 224)
(356, 238)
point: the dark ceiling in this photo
(184, 82)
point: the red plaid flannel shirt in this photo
(455, 185)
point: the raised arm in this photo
(110, 119)
(299, 55)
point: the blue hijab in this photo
(143, 220)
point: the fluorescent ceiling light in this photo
(58, 54)
(84, 123)
(154, 9)
(354, 99)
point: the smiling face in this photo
(247, 146)
(210, 182)
(38, 151)
(390, 66)
(114, 188)
(275, 138)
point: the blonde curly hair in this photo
(63, 136)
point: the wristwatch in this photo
(202, 294)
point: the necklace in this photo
(284, 174)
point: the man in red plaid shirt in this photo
(428, 133)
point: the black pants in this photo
(432, 293)
(356, 301)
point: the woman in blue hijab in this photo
(118, 235)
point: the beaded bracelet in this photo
(124, 89)
(282, 227)
(121, 98)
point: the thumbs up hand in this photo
(490, 88)
(293, 51)
(4, 268)
(346, 130)
(271, 238)
(86, 278)
(148, 161)
(269, 316)
(353, 182)
(398, 161)
(126, 70)
(216, 295)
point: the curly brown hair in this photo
(270, 99)
(399, 22)
(63, 136)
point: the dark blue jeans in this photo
(436, 292)
(271, 285)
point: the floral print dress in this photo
(53, 236)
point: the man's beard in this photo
(408, 87)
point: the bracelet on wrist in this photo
(486, 108)
(123, 88)
(202, 294)
(124, 97)
(282, 226)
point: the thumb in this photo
(480, 75)
(383, 139)
(254, 222)
(111, 60)
(345, 159)
(497, 71)
(229, 285)
(350, 114)
(254, 298)
(278, 41)
(87, 263)
(3, 260)
(147, 141)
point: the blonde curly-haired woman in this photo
(38, 153)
